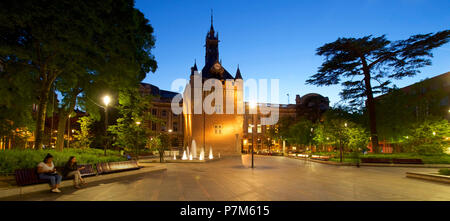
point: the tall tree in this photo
(357, 63)
(110, 40)
(130, 129)
(46, 37)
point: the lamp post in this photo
(106, 100)
(253, 107)
(68, 132)
(138, 123)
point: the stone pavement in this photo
(273, 178)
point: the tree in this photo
(430, 136)
(83, 136)
(129, 130)
(164, 145)
(356, 63)
(110, 40)
(35, 35)
(301, 133)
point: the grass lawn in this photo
(10, 160)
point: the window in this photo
(154, 112)
(175, 126)
(250, 128)
(258, 128)
(153, 126)
(218, 108)
(218, 129)
(164, 113)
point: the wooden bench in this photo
(407, 161)
(113, 167)
(376, 160)
(30, 176)
(318, 157)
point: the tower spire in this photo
(211, 17)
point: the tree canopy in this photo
(365, 66)
(81, 45)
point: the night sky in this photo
(278, 39)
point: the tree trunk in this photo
(62, 121)
(370, 107)
(42, 113)
(63, 115)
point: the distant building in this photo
(170, 123)
(431, 97)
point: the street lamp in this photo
(106, 100)
(138, 123)
(252, 105)
(68, 132)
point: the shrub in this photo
(444, 172)
(10, 160)
(428, 149)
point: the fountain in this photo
(210, 153)
(184, 156)
(190, 156)
(202, 154)
(194, 149)
(174, 156)
(188, 152)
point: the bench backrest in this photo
(27, 176)
(116, 166)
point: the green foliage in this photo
(83, 136)
(154, 143)
(165, 141)
(429, 137)
(398, 111)
(445, 171)
(107, 45)
(358, 138)
(427, 159)
(10, 160)
(350, 61)
(301, 133)
(129, 130)
(358, 63)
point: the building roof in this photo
(155, 91)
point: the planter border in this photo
(440, 166)
(429, 177)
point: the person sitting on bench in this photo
(47, 171)
(71, 170)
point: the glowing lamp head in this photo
(252, 104)
(106, 100)
(138, 123)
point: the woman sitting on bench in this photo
(47, 171)
(71, 170)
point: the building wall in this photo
(222, 132)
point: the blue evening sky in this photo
(278, 39)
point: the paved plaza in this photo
(273, 178)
